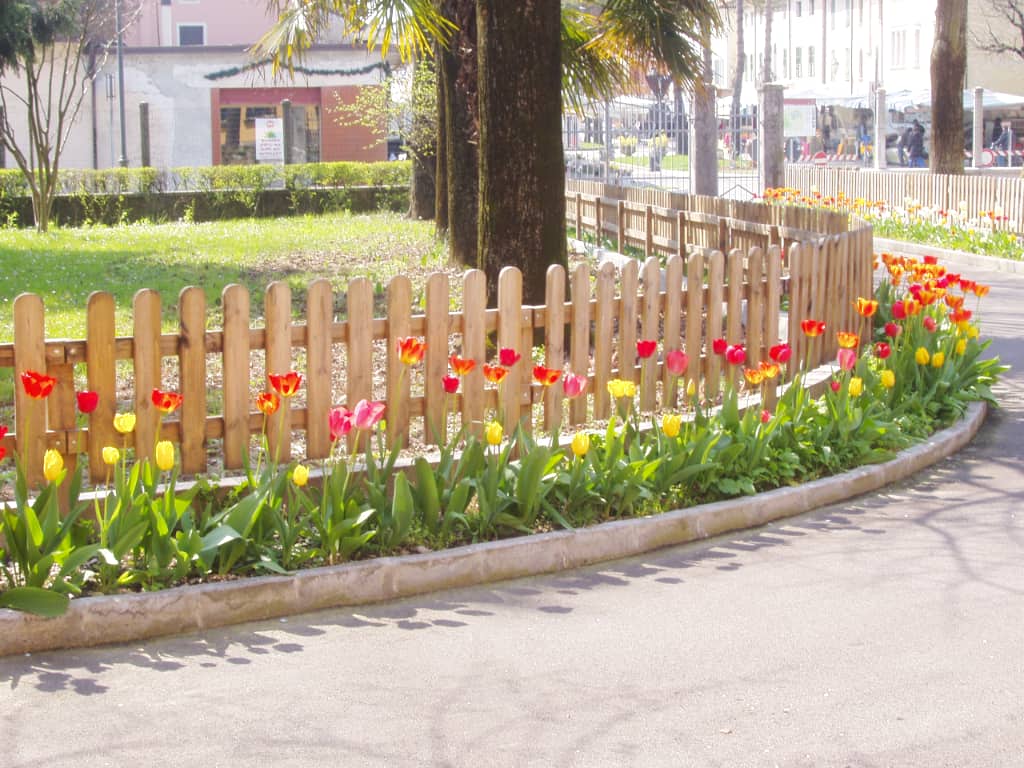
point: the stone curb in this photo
(123, 618)
(971, 260)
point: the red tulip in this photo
(546, 376)
(892, 330)
(508, 357)
(87, 401)
(268, 403)
(37, 385)
(834, 385)
(781, 353)
(168, 402)
(645, 348)
(931, 260)
(765, 416)
(812, 328)
(882, 350)
(461, 365)
(929, 323)
(495, 373)
(736, 354)
(286, 384)
(411, 350)
(451, 384)
(718, 346)
(677, 362)
(899, 310)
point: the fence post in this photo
(510, 304)
(278, 360)
(978, 123)
(99, 356)
(235, 303)
(144, 132)
(192, 370)
(319, 322)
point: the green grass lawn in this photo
(65, 265)
(668, 163)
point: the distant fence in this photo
(590, 323)
(980, 192)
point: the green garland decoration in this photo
(232, 71)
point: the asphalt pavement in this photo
(883, 631)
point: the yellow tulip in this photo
(921, 356)
(888, 379)
(124, 422)
(856, 386)
(670, 424)
(581, 444)
(53, 464)
(111, 455)
(972, 332)
(938, 359)
(165, 455)
(300, 475)
(494, 433)
(691, 388)
(961, 346)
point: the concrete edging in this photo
(123, 618)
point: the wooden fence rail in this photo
(590, 322)
(979, 192)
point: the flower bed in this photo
(982, 232)
(911, 367)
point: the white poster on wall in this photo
(798, 120)
(269, 140)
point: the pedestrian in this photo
(1001, 143)
(916, 148)
(903, 144)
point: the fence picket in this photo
(235, 302)
(672, 329)
(277, 308)
(554, 342)
(359, 353)
(319, 325)
(192, 372)
(146, 309)
(604, 339)
(102, 378)
(399, 375)
(695, 318)
(510, 303)
(716, 277)
(650, 321)
(474, 347)
(579, 343)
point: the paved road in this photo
(882, 632)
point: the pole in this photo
(123, 160)
(978, 121)
(881, 123)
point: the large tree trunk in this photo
(458, 65)
(424, 160)
(737, 81)
(522, 170)
(441, 155)
(704, 152)
(948, 67)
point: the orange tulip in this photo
(287, 384)
(847, 340)
(812, 328)
(461, 365)
(495, 373)
(866, 307)
(411, 350)
(168, 402)
(268, 403)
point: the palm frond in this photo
(588, 72)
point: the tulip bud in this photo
(111, 455)
(53, 464)
(494, 433)
(300, 475)
(581, 444)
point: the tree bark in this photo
(441, 156)
(704, 152)
(423, 193)
(522, 170)
(737, 81)
(458, 65)
(948, 67)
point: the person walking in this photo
(916, 148)
(903, 144)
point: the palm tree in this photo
(524, 61)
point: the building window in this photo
(898, 52)
(810, 61)
(917, 49)
(797, 64)
(165, 2)
(860, 64)
(799, 7)
(191, 34)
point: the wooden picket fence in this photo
(590, 323)
(982, 192)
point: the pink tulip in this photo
(451, 384)
(573, 385)
(929, 323)
(892, 330)
(677, 361)
(736, 354)
(765, 416)
(847, 358)
(340, 422)
(367, 414)
(781, 353)
(835, 385)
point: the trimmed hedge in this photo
(117, 195)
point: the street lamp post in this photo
(123, 160)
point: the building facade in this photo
(188, 61)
